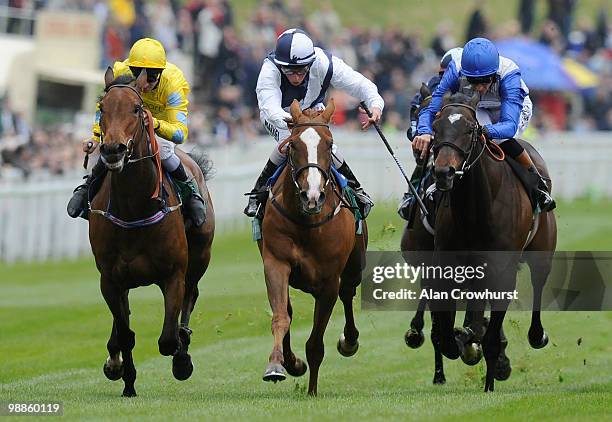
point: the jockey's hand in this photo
(289, 122)
(89, 145)
(366, 121)
(486, 134)
(420, 144)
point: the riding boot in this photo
(545, 200)
(195, 204)
(409, 199)
(78, 205)
(257, 196)
(365, 203)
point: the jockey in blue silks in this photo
(504, 109)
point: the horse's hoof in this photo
(346, 349)
(439, 378)
(503, 369)
(182, 367)
(414, 338)
(129, 392)
(539, 344)
(298, 369)
(472, 353)
(113, 372)
(275, 372)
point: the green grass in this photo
(54, 326)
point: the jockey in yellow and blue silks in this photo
(504, 109)
(165, 95)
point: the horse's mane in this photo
(456, 98)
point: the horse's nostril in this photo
(304, 196)
(321, 197)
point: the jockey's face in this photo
(153, 76)
(482, 88)
(295, 76)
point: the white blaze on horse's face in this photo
(311, 138)
(454, 117)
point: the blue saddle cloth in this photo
(340, 179)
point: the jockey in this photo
(415, 106)
(297, 70)
(504, 109)
(165, 95)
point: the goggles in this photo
(298, 71)
(152, 74)
(480, 79)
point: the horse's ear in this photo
(141, 80)
(295, 111)
(108, 76)
(475, 100)
(329, 110)
(424, 91)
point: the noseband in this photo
(475, 135)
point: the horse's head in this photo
(456, 136)
(121, 118)
(310, 155)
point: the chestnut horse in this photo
(131, 245)
(486, 209)
(309, 243)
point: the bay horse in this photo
(486, 210)
(309, 243)
(417, 238)
(131, 245)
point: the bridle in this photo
(295, 173)
(139, 126)
(471, 156)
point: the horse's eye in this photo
(136, 109)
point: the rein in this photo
(153, 148)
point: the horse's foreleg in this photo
(348, 343)
(277, 283)
(122, 338)
(174, 291)
(414, 337)
(315, 350)
(439, 377)
(540, 268)
(491, 343)
(295, 366)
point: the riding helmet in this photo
(294, 49)
(147, 53)
(479, 58)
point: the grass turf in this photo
(54, 326)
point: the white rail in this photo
(34, 225)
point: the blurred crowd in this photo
(225, 62)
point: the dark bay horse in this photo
(309, 243)
(487, 210)
(131, 247)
